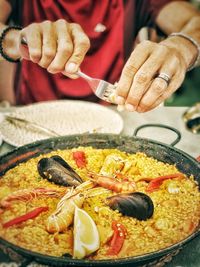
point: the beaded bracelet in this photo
(4, 32)
(195, 43)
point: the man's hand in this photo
(57, 46)
(139, 88)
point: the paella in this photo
(97, 204)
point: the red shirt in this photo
(109, 49)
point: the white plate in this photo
(66, 117)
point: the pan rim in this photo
(84, 262)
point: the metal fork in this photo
(33, 125)
(105, 90)
(101, 88)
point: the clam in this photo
(57, 170)
(136, 204)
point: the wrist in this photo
(184, 47)
(9, 44)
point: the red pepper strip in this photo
(79, 157)
(156, 183)
(30, 215)
(118, 238)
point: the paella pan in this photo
(138, 218)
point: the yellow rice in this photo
(175, 214)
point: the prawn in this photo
(64, 213)
(28, 195)
(112, 183)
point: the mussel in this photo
(136, 204)
(57, 170)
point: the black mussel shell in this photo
(56, 170)
(136, 204)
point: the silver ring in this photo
(165, 77)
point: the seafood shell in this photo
(56, 170)
(136, 204)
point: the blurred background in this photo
(189, 93)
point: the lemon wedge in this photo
(86, 235)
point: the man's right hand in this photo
(57, 46)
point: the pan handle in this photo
(178, 138)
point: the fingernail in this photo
(120, 108)
(120, 100)
(71, 68)
(51, 71)
(130, 107)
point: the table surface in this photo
(189, 143)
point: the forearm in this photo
(10, 43)
(181, 17)
(7, 73)
(7, 69)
